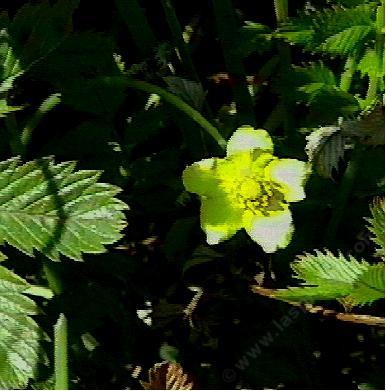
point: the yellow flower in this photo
(250, 188)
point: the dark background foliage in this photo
(163, 252)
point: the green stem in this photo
(177, 34)
(176, 102)
(343, 195)
(281, 12)
(227, 29)
(138, 25)
(372, 91)
(187, 63)
(60, 329)
(61, 353)
(346, 77)
(47, 105)
(13, 134)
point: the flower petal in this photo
(291, 174)
(219, 219)
(247, 138)
(270, 232)
(200, 177)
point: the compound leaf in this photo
(328, 277)
(53, 209)
(20, 336)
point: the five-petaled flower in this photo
(249, 188)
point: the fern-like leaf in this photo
(346, 41)
(377, 225)
(328, 277)
(53, 209)
(20, 336)
(337, 31)
(369, 287)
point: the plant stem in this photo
(281, 12)
(138, 25)
(313, 309)
(61, 353)
(188, 65)
(181, 45)
(346, 77)
(374, 78)
(47, 105)
(227, 30)
(13, 134)
(60, 330)
(176, 102)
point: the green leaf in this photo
(372, 63)
(53, 209)
(319, 268)
(325, 148)
(5, 109)
(38, 29)
(316, 86)
(253, 37)
(201, 254)
(377, 225)
(338, 30)
(20, 350)
(370, 286)
(346, 41)
(328, 277)
(168, 353)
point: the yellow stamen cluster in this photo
(255, 194)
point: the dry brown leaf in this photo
(167, 376)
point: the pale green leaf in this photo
(325, 148)
(53, 209)
(370, 286)
(20, 351)
(328, 277)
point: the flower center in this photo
(256, 194)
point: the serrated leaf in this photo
(53, 209)
(328, 277)
(372, 63)
(377, 225)
(338, 30)
(370, 286)
(346, 41)
(322, 267)
(20, 336)
(325, 148)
